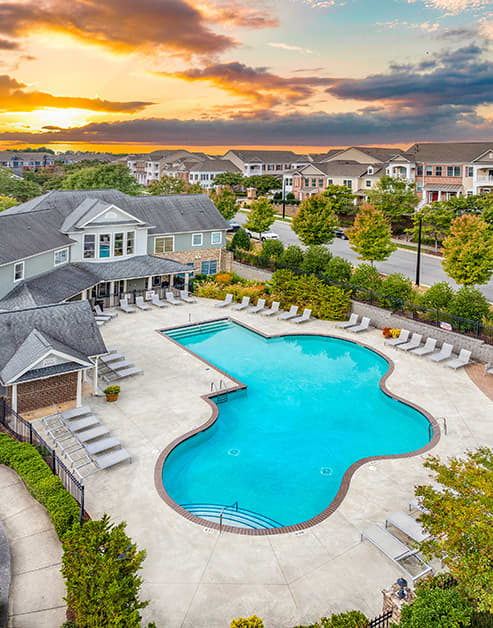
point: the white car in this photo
(267, 235)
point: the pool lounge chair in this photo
(398, 553)
(111, 357)
(407, 524)
(303, 318)
(227, 301)
(352, 322)
(488, 369)
(463, 360)
(170, 298)
(125, 307)
(155, 300)
(111, 459)
(412, 344)
(445, 353)
(185, 296)
(107, 313)
(274, 309)
(400, 340)
(428, 347)
(245, 302)
(292, 313)
(260, 307)
(363, 326)
(139, 302)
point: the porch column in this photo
(84, 295)
(112, 293)
(149, 283)
(187, 280)
(78, 402)
(14, 397)
(408, 172)
(124, 286)
(95, 378)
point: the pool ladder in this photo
(235, 506)
(220, 390)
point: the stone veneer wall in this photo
(381, 318)
(42, 393)
(223, 257)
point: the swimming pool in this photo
(279, 450)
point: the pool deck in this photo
(196, 577)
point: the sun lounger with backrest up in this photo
(412, 344)
(463, 360)
(245, 302)
(185, 296)
(400, 340)
(429, 347)
(227, 301)
(139, 302)
(363, 326)
(407, 524)
(445, 353)
(260, 307)
(292, 313)
(170, 298)
(99, 312)
(352, 322)
(155, 300)
(125, 307)
(303, 318)
(274, 309)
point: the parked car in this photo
(233, 226)
(267, 235)
(340, 233)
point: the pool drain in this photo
(234, 452)
(326, 471)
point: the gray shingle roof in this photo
(215, 165)
(269, 156)
(449, 152)
(346, 168)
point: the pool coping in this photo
(208, 398)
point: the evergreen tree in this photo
(370, 236)
(468, 251)
(261, 216)
(315, 222)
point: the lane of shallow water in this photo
(313, 406)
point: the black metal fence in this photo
(382, 621)
(407, 309)
(23, 431)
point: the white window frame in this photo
(217, 233)
(65, 250)
(22, 265)
(127, 233)
(201, 236)
(100, 235)
(95, 256)
(163, 238)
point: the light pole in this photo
(283, 197)
(418, 261)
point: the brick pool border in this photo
(348, 474)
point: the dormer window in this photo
(370, 169)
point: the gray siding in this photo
(183, 241)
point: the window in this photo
(61, 257)
(278, 166)
(104, 245)
(370, 169)
(314, 183)
(320, 183)
(89, 246)
(217, 238)
(429, 171)
(419, 171)
(103, 290)
(438, 171)
(164, 245)
(456, 171)
(330, 181)
(368, 183)
(209, 268)
(130, 242)
(307, 182)
(19, 271)
(348, 183)
(270, 167)
(156, 281)
(469, 171)
(453, 171)
(118, 246)
(197, 239)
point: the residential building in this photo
(19, 161)
(153, 167)
(204, 172)
(275, 162)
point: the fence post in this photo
(4, 410)
(477, 329)
(30, 434)
(371, 297)
(81, 512)
(438, 318)
(53, 461)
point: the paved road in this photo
(401, 261)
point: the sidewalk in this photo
(37, 587)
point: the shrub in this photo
(339, 269)
(350, 619)
(436, 607)
(212, 290)
(223, 279)
(112, 390)
(45, 487)
(469, 302)
(396, 288)
(272, 249)
(292, 256)
(241, 240)
(316, 259)
(249, 622)
(290, 196)
(439, 296)
(367, 276)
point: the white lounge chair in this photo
(102, 444)
(400, 340)
(407, 524)
(412, 344)
(292, 313)
(445, 353)
(111, 357)
(125, 307)
(488, 369)
(305, 317)
(260, 307)
(107, 313)
(428, 347)
(245, 302)
(227, 301)
(155, 300)
(139, 302)
(101, 323)
(185, 296)
(463, 360)
(170, 298)
(92, 434)
(115, 457)
(363, 326)
(352, 322)
(274, 309)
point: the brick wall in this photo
(223, 257)
(45, 392)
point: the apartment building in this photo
(274, 162)
(205, 172)
(19, 161)
(154, 166)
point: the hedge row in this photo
(45, 487)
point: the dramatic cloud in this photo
(5, 44)
(235, 13)
(291, 48)
(14, 96)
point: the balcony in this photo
(485, 179)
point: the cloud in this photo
(5, 44)
(455, 7)
(14, 96)
(305, 51)
(234, 13)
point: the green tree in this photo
(396, 288)
(444, 608)
(241, 240)
(457, 512)
(6, 202)
(366, 276)
(292, 256)
(315, 222)
(103, 176)
(263, 183)
(339, 269)
(396, 197)
(272, 249)
(370, 236)
(316, 259)
(225, 201)
(435, 222)
(167, 185)
(468, 251)
(439, 296)
(100, 565)
(20, 189)
(233, 179)
(341, 199)
(469, 302)
(261, 216)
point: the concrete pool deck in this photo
(195, 577)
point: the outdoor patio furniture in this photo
(106, 461)
(397, 551)
(412, 344)
(112, 357)
(118, 365)
(101, 323)
(400, 340)
(185, 296)
(82, 424)
(155, 300)
(305, 317)
(126, 372)
(363, 326)
(227, 301)
(445, 353)
(463, 360)
(260, 307)
(407, 524)
(428, 347)
(103, 444)
(245, 302)
(107, 313)
(274, 309)
(125, 307)
(352, 322)
(488, 369)
(93, 433)
(139, 302)
(292, 313)
(170, 298)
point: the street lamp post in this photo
(418, 261)
(283, 197)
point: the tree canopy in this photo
(21, 190)
(468, 250)
(370, 236)
(263, 183)
(172, 185)
(103, 176)
(435, 222)
(394, 196)
(232, 179)
(6, 202)
(261, 216)
(225, 201)
(315, 222)
(341, 199)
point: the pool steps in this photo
(241, 518)
(200, 328)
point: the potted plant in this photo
(112, 393)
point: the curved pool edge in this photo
(348, 474)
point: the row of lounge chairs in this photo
(103, 317)
(140, 303)
(114, 367)
(353, 325)
(429, 349)
(84, 442)
(260, 308)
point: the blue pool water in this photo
(312, 407)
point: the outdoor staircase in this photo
(231, 516)
(200, 328)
